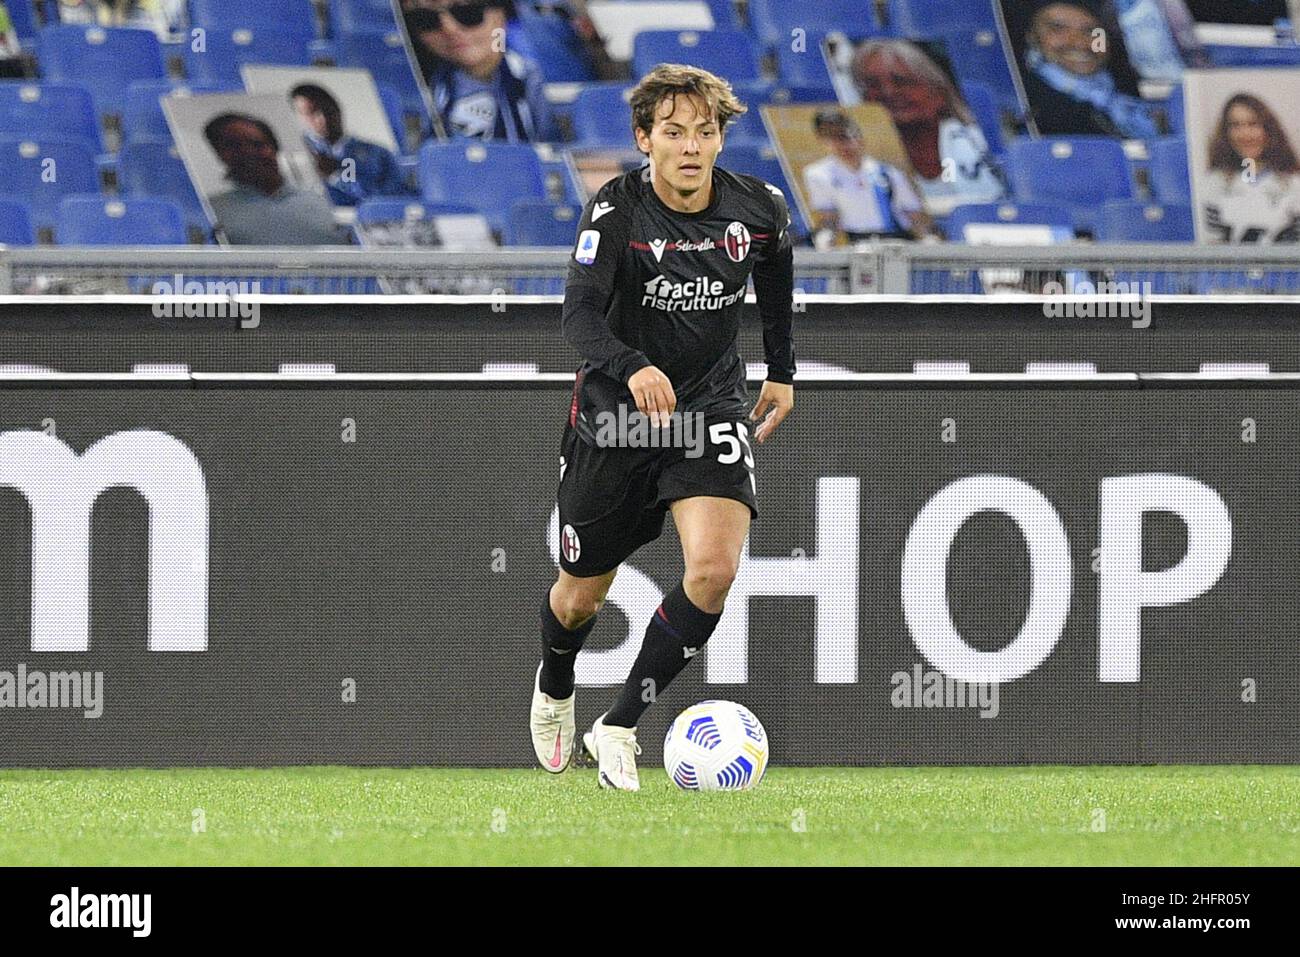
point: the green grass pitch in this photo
(329, 815)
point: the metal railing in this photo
(882, 268)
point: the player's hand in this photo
(774, 404)
(654, 394)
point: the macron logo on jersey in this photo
(696, 295)
(599, 210)
(588, 243)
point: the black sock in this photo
(559, 648)
(676, 634)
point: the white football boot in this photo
(553, 729)
(614, 750)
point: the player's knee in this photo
(574, 609)
(712, 576)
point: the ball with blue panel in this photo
(716, 746)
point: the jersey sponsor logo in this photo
(588, 243)
(600, 209)
(736, 242)
(570, 544)
(697, 294)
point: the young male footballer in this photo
(653, 303)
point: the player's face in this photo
(890, 82)
(1246, 132)
(683, 144)
(1064, 34)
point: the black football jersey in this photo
(648, 285)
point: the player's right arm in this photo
(592, 284)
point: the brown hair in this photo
(1278, 155)
(668, 80)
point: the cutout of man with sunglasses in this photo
(480, 87)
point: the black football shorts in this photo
(613, 499)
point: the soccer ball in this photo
(715, 746)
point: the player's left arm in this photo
(774, 290)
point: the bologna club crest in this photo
(736, 242)
(570, 544)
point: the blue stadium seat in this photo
(349, 15)
(396, 113)
(977, 57)
(226, 51)
(43, 172)
(285, 16)
(984, 105)
(15, 224)
(602, 117)
(62, 110)
(806, 66)
(1124, 221)
(557, 49)
(490, 176)
(1253, 56)
(930, 18)
(725, 52)
(154, 168)
(1175, 110)
(383, 53)
(23, 18)
(143, 117)
(774, 21)
(114, 57)
(1170, 180)
(1081, 173)
(105, 221)
(535, 222)
(1037, 214)
(403, 210)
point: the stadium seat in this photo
(225, 52)
(536, 222)
(42, 173)
(1283, 56)
(104, 221)
(383, 53)
(1036, 214)
(1175, 111)
(114, 57)
(15, 224)
(23, 18)
(490, 176)
(977, 57)
(929, 18)
(557, 49)
(775, 21)
(143, 117)
(61, 110)
(396, 113)
(601, 116)
(1081, 173)
(154, 168)
(1124, 221)
(806, 66)
(725, 52)
(398, 210)
(349, 15)
(284, 16)
(984, 105)
(1170, 180)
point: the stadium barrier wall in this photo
(224, 569)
